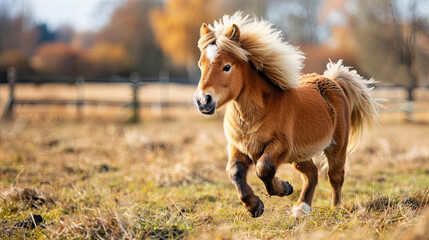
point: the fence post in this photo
(409, 105)
(134, 78)
(8, 110)
(80, 80)
(164, 79)
(409, 111)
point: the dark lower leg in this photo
(237, 173)
(266, 171)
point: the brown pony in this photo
(274, 115)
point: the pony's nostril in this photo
(208, 98)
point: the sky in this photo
(82, 15)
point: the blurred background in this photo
(74, 73)
(103, 56)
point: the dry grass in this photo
(166, 180)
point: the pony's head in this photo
(221, 77)
(235, 44)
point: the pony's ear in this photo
(233, 33)
(204, 30)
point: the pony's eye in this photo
(227, 68)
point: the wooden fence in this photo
(134, 104)
(394, 98)
(394, 102)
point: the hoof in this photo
(259, 210)
(301, 210)
(287, 188)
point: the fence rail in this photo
(134, 80)
(96, 103)
(396, 97)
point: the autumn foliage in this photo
(108, 57)
(152, 36)
(176, 27)
(63, 59)
(15, 58)
(129, 28)
(60, 58)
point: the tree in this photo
(17, 35)
(298, 19)
(386, 38)
(61, 59)
(387, 48)
(65, 33)
(129, 27)
(15, 58)
(108, 58)
(176, 26)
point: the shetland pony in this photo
(273, 114)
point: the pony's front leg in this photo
(266, 168)
(238, 165)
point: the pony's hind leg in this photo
(237, 168)
(336, 156)
(336, 152)
(308, 171)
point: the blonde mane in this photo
(261, 44)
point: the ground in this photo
(165, 179)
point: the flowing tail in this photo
(363, 107)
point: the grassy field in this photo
(165, 179)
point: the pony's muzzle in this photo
(205, 103)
